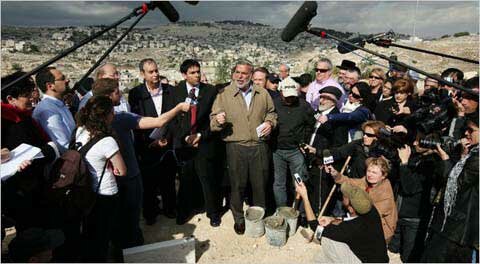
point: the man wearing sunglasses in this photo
(323, 78)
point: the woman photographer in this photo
(403, 104)
(357, 149)
(376, 184)
(454, 227)
(104, 162)
(418, 171)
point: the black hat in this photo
(399, 68)
(363, 89)
(347, 64)
(332, 90)
(304, 79)
(33, 241)
(273, 78)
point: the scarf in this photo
(452, 185)
(15, 115)
(349, 107)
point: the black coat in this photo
(357, 151)
(295, 124)
(181, 124)
(330, 135)
(141, 103)
(22, 194)
(461, 226)
(415, 183)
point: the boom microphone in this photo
(344, 48)
(191, 2)
(167, 9)
(299, 22)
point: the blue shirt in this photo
(55, 118)
(123, 107)
(247, 96)
(123, 123)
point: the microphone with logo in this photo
(327, 157)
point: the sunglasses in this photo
(369, 134)
(375, 77)
(321, 70)
(471, 130)
(356, 96)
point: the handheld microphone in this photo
(299, 22)
(327, 157)
(167, 9)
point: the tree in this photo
(222, 70)
(17, 67)
(461, 34)
(34, 48)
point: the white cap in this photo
(288, 87)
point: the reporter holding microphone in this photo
(353, 239)
(245, 115)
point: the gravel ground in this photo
(223, 245)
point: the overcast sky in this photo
(434, 18)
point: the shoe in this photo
(215, 221)
(239, 228)
(170, 214)
(183, 219)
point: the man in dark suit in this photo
(196, 145)
(157, 164)
(325, 136)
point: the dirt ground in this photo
(223, 245)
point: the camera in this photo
(387, 144)
(309, 157)
(304, 147)
(434, 113)
(448, 144)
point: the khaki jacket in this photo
(383, 200)
(241, 122)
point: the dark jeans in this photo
(160, 177)
(126, 230)
(409, 238)
(283, 159)
(98, 228)
(247, 163)
(440, 249)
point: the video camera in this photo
(434, 113)
(448, 144)
(387, 144)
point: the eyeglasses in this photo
(356, 96)
(375, 77)
(321, 70)
(369, 134)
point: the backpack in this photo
(70, 183)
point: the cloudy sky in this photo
(433, 18)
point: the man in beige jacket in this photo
(246, 116)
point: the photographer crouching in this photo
(354, 239)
